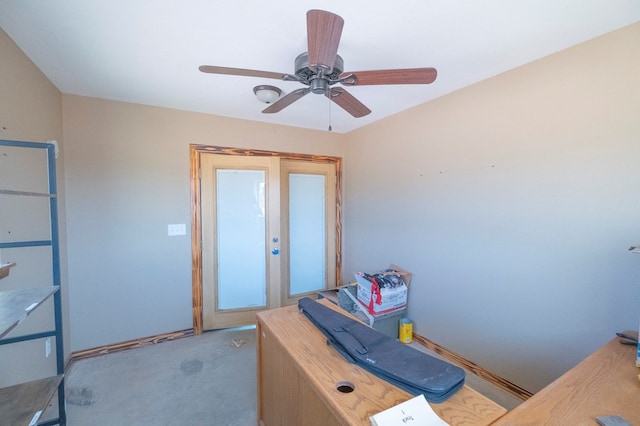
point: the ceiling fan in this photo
(321, 67)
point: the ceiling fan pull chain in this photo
(329, 113)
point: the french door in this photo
(268, 232)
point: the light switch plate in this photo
(176, 229)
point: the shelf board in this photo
(27, 193)
(4, 269)
(33, 396)
(15, 305)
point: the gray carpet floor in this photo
(202, 380)
(205, 380)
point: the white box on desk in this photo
(389, 299)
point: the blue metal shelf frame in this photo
(54, 242)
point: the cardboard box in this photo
(386, 323)
(379, 301)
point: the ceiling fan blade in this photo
(347, 102)
(286, 100)
(324, 30)
(241, 71)
(398, 76)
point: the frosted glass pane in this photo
(307, 233)
(240, 219)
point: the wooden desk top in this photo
(324, 367)
(604, 384)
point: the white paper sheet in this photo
(414, 412)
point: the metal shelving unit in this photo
(22, 404)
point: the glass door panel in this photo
(240, 214)
(307, 233)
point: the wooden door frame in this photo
(195, 151)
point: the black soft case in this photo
(406, 367)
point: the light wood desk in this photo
(604, 384)
(298, 375)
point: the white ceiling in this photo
(148, 51)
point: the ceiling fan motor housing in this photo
(317, 81)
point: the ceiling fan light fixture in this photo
(267, 94)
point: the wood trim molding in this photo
(196, 241)
(490, 377)
(263, 153)
(338, 162)
(130, 344)
(195, 150)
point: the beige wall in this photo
(513, 202)
(30, 110)
(127, 176)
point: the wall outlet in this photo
(47, 347)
